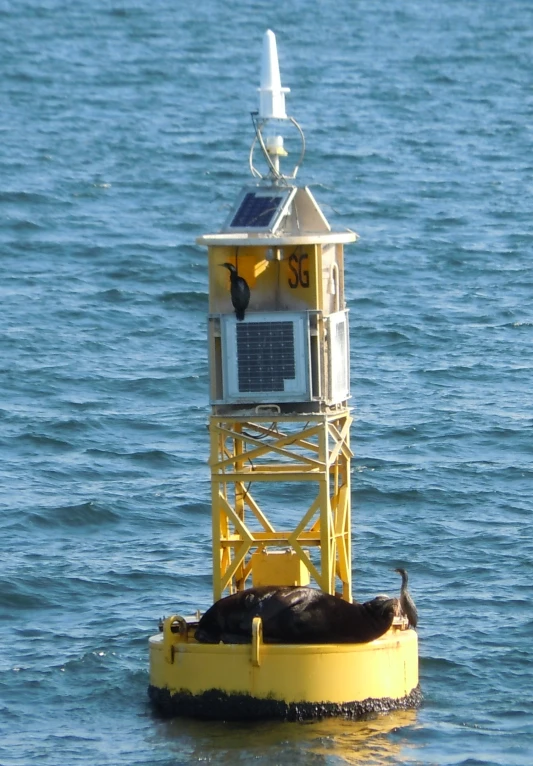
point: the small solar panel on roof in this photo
(256, 211)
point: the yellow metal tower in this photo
(279, 395)
(279, 392)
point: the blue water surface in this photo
(124, 134)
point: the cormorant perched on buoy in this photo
(239, 291)
(406, 602)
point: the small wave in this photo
(16, 594)
(25, 225)
(474, 762)
(113, 295)
(439, 663)
(155, 458)
(22, 196)
(81, 515)
(43, 441)
(185, 300)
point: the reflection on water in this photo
(376, 741)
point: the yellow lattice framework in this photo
(312, 448)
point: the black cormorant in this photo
(239, 291)
(406, 602)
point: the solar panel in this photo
(256, 212)
(259, 209)
(265, 356)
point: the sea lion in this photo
(295, 615)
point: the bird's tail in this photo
(239, 313)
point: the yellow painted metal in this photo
(335, 673)
(292, 281)
(257, 641)
(278, 568)
(281, 448)
(282, 275)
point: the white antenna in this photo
(272, 107)
(271, 94)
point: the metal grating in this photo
(256, 211)
(265, 356)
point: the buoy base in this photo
(217, 705)
(283, 681)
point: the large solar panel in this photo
(259, 209)
(265, 356)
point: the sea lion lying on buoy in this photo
(295, 615)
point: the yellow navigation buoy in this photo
(279, 391)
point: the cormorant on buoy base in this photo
(295, 615)
(239, 291)
(407, 604)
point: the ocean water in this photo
(124, 134)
